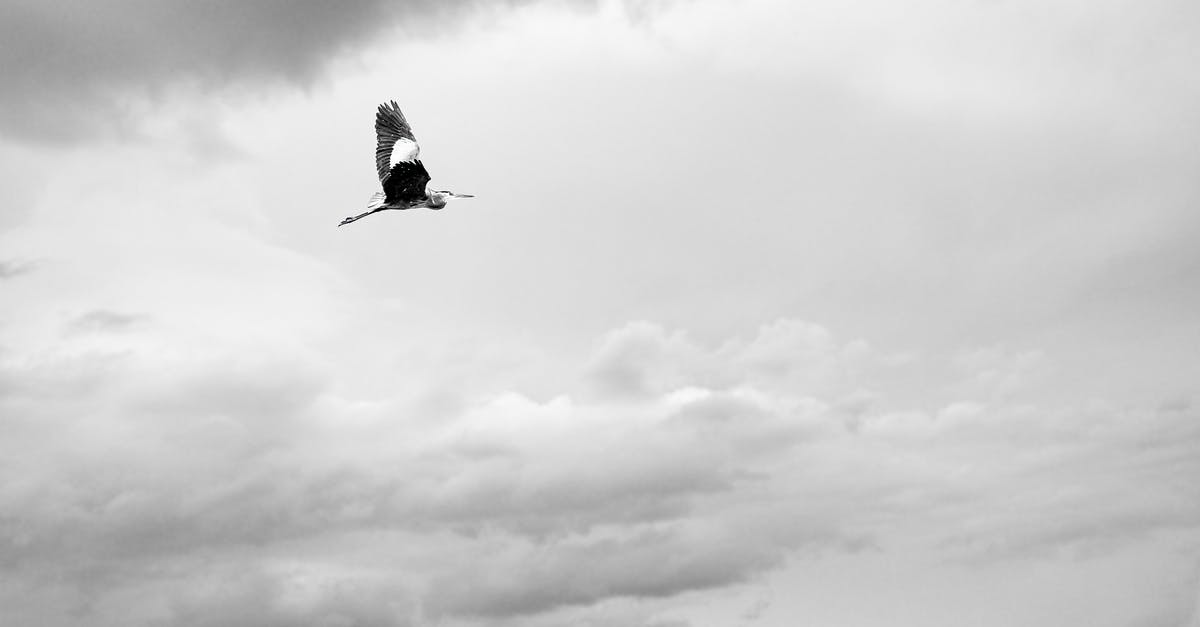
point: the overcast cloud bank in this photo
(768, 313)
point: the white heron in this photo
(402, 175)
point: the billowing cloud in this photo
(366, 514)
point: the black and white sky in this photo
(766, 313)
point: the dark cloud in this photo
(71, 67)
(647, 565)
(70, 63)
(104, 321)
(271, 600)
(11, 269)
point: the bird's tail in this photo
(377, 202)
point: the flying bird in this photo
(403, 177)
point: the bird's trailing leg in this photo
(378, 202)
(358, 217)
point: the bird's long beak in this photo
(462, 195)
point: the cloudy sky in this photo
(766, 313)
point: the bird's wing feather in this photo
(406, 182)
(392, 135)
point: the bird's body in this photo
(404, 178)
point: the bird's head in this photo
(450, 194)
(438, 198)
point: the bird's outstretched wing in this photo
(406, 182)
(400, 171)
(391, 128)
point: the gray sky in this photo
(765, 313)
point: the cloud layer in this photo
(221, 491)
